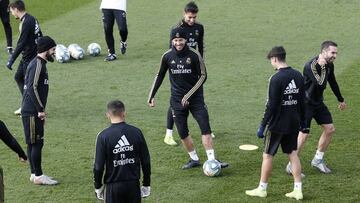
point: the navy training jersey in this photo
(36, 88)
(316, 78)
(121, 150)
(285, 105)
(187, 74)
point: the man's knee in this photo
(267, 156)
(329, 129)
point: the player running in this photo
(283, 114)
(317, 72)
(187, 75)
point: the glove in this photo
(9, 63)
(145, 191)
(99, 193)
(260, 131)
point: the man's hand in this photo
(42, 115)
(260, 131)
(99, 193)
(10, 63)
(145, 191)
(342, 105)
(22, 157)
(184, 102)
(152, 102)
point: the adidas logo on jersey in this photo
(123, 145)
(291, 88)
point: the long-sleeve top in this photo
(36, 88)
(315, 78)
(27, 43)
(10, 141)
(285, 105)
(121, 150)
(187, 74)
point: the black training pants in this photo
(109, 17)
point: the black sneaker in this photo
(10, 50)
(123, 46)
(223, 164)
(110, 57)
(191, 164)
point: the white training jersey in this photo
(113, 4)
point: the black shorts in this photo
(273, 140)
(319, 112)
(199, 113)
(33, 129)
(127, 192)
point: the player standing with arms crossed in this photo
(317, 72)
(283, 114)
(121, 151)
(187, 75)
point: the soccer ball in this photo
(212, 168)
(62, 54)
(76, 52)
(94, 49)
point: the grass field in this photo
(238, 35)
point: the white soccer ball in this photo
(212, 168)
(94, 49)
(62, 54)
(76, 52)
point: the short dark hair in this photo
(19, 5)
(191, 7)
(327, 43)
(278, 52)
(115, 107)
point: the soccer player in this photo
(195, 39)
(29, 33)
(187, 75)
(317, 72)
(11, 142)
(5, 19)
(121, 151)
(283, 114)
(114, 10)
(33, 107)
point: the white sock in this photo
(210, 154)
(319, 155)
(263, 186)
(297, 186)
(169, 132)
(193, 155)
